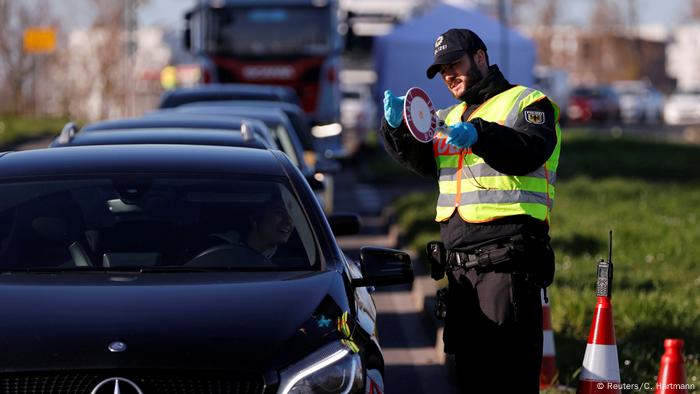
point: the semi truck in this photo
(294, 43)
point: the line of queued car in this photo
(621, 101)
(189, 250)
(631, 102)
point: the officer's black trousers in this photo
(494, 329)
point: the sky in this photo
(169, 13)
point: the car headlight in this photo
(331, 369)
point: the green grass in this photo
(648, 193)
(15, 130)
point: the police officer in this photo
(496, 169)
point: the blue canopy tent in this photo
(402, 56)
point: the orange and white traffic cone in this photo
(671, 378)
(548, 371)
(601, 371)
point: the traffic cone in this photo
(671, 378)
(548, 371)
(600, 372)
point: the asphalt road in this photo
(414, 362)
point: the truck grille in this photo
(150, 382)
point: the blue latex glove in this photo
(393, 109)
(462, 135)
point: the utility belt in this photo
(484, 257)
(527, 257)
(519, 253)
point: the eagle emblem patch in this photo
(534, 117)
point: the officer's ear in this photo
(481, 59)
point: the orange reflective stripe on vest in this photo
(479, 192)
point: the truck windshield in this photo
(270, 31)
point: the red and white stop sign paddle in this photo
(420, 116)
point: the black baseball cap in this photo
(451, 45)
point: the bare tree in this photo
(540, 13)
(109, 49)
(694, 10)
(548, 17)
(3, 12)
(20, 71)
(606, 16)
(603, 51)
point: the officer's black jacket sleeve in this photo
(407, 151)
(521, 149)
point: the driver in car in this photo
(269, 226)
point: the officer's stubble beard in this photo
(474, 76)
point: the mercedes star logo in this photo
(116, 386)
(116, 347)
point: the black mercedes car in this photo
(180, 269)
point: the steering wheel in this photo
(229, 255)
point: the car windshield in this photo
(152, 223)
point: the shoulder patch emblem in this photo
(534, 117)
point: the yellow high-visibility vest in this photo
(479, 192)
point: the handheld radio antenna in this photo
(605, 273)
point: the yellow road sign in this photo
(39, 39)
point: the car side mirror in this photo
(344, 223)
(384, 266)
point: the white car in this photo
(682, 108)
(358, 112)
(640, 102)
